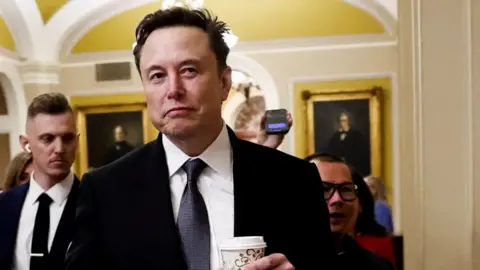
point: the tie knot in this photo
(44, 199)
(194, 168)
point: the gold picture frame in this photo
(305, 124)
(83, 106)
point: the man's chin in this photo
(59, 173)
(180, 131)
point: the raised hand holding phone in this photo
(274, 124)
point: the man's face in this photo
(183, 86)
(53, 143)
(119, 134)
(344, 123)
(343, 213)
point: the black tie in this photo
(192, 222)
(39, 250)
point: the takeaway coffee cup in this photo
(238, 252)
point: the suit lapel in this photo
(10, 209)
(245, 203)
(156, 202)
(65, 226)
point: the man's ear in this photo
(226, 80)
(24, 143)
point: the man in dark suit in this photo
(351, 145)
(171, 203)
(38, 216)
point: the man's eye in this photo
(157, 76)
(188, 71)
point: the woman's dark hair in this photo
(366, 223)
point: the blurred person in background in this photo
(18, 170)
(383, 214)
(361, 242)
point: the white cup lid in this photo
(243, 242)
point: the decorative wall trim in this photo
(394, 122)
(34, 73)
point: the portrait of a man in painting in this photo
(343, 122)
(120, 146)
(112, 135)
(348, 141)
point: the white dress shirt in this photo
(59, 195)
(215, 184)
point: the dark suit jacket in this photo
(125, 218)
(11, 203)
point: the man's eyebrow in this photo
(153, 67)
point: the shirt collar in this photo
(58, 193)
(217, 156)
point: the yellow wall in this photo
(6, 40)
(386, 115)
(49, 7)
(251, 20)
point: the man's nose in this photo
(59, 146)
(176, 88)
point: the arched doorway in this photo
(5, 130)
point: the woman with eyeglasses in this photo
(351, 215)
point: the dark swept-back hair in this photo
(48, 103)
(181, 16)
(366, 223)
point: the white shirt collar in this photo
(217, 156)
(59, 192)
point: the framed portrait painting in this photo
(346, 123)
(109, 131)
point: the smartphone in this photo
(276, 121)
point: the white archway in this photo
(26, 26)
(379, 11)
(77, 18)
(14, 123)
(260, 75)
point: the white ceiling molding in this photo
(52, 42)
(26, 26)
(376, 9)
(391, 6)
(76, 18)
(94, 14)
(115, 7)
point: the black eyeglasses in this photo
(347, 191)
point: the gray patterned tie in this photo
(192, 222)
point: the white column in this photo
(439, 132)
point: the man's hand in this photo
(271, 140)
(275, 261)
